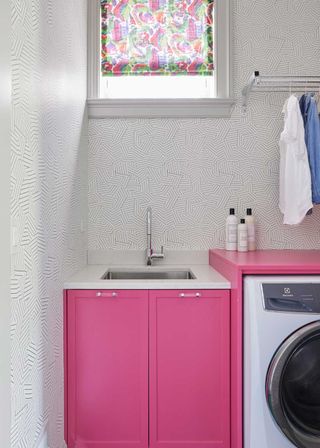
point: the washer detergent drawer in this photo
(292, 297)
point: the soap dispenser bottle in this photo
(251, 225)
(231, 230)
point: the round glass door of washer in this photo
(293, 386)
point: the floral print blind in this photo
(157, 37)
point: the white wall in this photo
(5, 124)
(192, 171)
(48, 201)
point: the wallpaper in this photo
(48, 200)
(192, 171)
(189, 171)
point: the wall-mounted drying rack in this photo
(259, 83)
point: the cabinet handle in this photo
(106, 294)
(196, 294)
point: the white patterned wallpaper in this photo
(48, 200)
(192, 171)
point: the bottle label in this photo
(251, 233)
(243, 239)
(232, 233)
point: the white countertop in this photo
(90, 278)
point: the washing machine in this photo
(282, 362)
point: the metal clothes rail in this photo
(259, 83)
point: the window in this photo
(157, 37)
(156, 41)
(166, 57)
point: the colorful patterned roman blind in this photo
(157, 37)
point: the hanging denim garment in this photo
(309, 111)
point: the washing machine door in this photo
(293, 387)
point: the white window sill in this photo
(160, 108)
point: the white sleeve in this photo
(292, 119)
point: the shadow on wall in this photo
(48, 201)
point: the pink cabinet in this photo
(189, 369)
(107, 369)
(147, 368)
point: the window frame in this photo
(218, 107)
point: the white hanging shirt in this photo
(295, 177)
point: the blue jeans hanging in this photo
(309, 111)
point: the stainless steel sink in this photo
(152, 274)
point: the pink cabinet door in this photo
(107, 369)
(189, 369)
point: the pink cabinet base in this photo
(147, 368)
(189, 369)
(234, 266)
(107, 369)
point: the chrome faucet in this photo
(150, 254)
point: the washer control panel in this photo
(292, 297)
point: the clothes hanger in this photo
(306, 89)
(286, 102)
